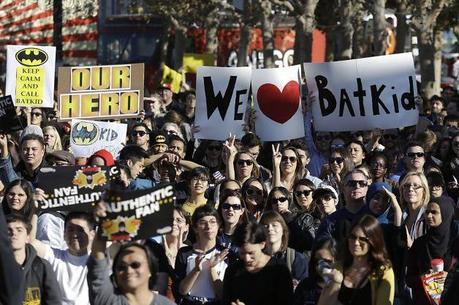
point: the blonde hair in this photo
(424, 184)
(57, 142)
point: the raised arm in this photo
(230, 152)
(277, 157)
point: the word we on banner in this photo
(363, 94)
(30, 75)
(221, 101)
(101, 92)
(87, 137)
(138, 214)
(277, 97)
(74, 188)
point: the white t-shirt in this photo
(71, 273)
(50, 230)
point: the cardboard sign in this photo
(221, 101)
(87, 137)
(192, 61)
(30, 75)
(74, 188)
(363, 94)
(173, 78)
(277, 98)
(101, 92)
(138, 214)
(9, 121)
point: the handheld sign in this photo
(278, 103)
(9, 120)
(87, 137)
(363, 94)
(138, 214)
(30, 75)
(221, 100)
(101, 92)
(74, 188)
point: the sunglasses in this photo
(227, 206)
(291, 159)
(253, 192)
(280, 199)
(415, 155)
(305, 193)
(241, 162)
(124, 267)
(36, 113)
(361, 239)
(357, 183)
(414, 186)
(338, 160)
(138, 132)
(216, 148)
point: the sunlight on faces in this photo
(244, 165)
(140, 136)
(303, 195)
(336, 162)
(132, 271)
(358, 242)
(199, 185)
(415, 158)
(36, 116)
(289, 162)
(356, 153)
(178, 147)
(279, 202)
(78, 236)
(232, 210)
(378, 167)
(326, 204)
(16, 198)
(433, 215)
(18, 236)
(274, 232)
(49, 137)
(207, 228)
(251, 255)
(32, 152)
(254, 194)
(413, 192)
(356, 187)
(179, 224)
(136, 168)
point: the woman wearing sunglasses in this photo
(364, 272)
(338, 166)
(244, 167)
(254, 194)
(287, 168)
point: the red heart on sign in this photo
(276, 105)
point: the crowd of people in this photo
(331, 218)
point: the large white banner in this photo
(30, 75)
(363, 94)
(277, 99)
(221, 101)
(87, 137)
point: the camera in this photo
(325, 269)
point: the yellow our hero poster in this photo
(101, 92)
(30, 75)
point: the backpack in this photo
(290, 258)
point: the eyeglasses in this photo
(227, 206)
(203, 223)
(360, 239)
(376, 165)
(202, 179)
(254, 191)
(415, 155)
(138, 132)
(305, 193)
(286, 158)
(216, 148)
(123, 267)
(36, 113)
(280, 199)
(241, 162)
(338, 160)
(414, 186)
(357, 183)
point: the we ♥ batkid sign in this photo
(363, 94)
(277, 98)
(221, 101)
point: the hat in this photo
(324, 189)
(105, 155)
(166, 86)
(31, 129)
(61, 155)
(159, 137)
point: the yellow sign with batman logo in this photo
(84, 133)
(32, 82)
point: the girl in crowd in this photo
(364, 274)
(254, 194)
(436, 184)
(435, 244)
(287, 168)
(326, 199)
(414, 197)
(212, 158)
(241, 166)
(338, 165)
(200, 268)
(258, 279)
(322, 257)
(19, 199)
(356, 152)
(378, 169)
(277, 245)
(198, 183)
(226, 185)
(37, 117)
(52, 138)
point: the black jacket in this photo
(40, 280)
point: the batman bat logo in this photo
(31, 57)
(84, 133)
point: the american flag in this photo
(31, 22)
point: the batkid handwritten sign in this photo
(30, 75)
(138, 214)
(101, 92)
(363, 94)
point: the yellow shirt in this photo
(189, 207)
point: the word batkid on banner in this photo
(138, 214)
(363, 94)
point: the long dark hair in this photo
(308, 183)
(378, 257)
(247, 185)
(231, 193)
(28, 210)
(284, 192)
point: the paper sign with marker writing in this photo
(363, 94)
(30, 75)
(277, 98)
(221, 100)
